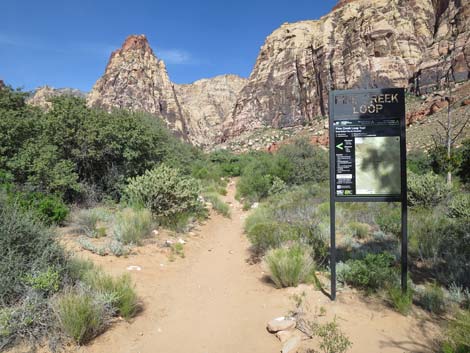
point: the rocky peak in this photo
(207, 104)
(362, 44)
(43, 95)
(137, 80)
(136, 42)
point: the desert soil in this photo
(216, 301)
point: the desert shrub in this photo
(372, 273)
(290, 266)
(217, 204)
(464, 169)
(177, 249)
(332, 339)
(47, 281)
(119, 291)
(418, 162)
(165, 191)
(30, 319)
(77, 268)
(459, 295)
(459, 206)
(426, 190)
(269, 235)
(458, 334)
(432, 298)
(229, 163)
(402, 302)
(79, 315)
(426, 234)
(131, 226)
(86, 244)
(72, 149)
(26, 247)
(278, 186)
(359, 230)
(454, 252)
(306, 162)
(48, 208)
(389, 220)
(87, 220)
(118, 249)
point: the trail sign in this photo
(367, 155)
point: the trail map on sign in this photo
(377, 165)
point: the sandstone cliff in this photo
(206, 104)
(42, 96)
(137, 80)
(416, 44)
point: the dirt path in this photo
(212, 301)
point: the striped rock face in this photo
(416, 44)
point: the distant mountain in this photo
(416, 44)
(363, 43)
(136, 79)
(41, 97)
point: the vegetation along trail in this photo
(210, 301)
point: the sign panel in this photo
(368, 157)
(367, 142)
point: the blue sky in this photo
(65, 43)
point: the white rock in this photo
(255, 205)
(134, 268)
(181, 241)
(291, 345)
(168, 242)
(281, 324)
(155, 232)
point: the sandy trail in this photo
(211, 301)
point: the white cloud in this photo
(174, 56)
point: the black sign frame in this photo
(355, 105)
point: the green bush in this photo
(82, 153)
(332, 340)
(306, 162)
(459, 206)
(164, 191)
(372, 273)
(426, 190)
(418, 162)
(389, 220)
(119, 291)
(458, 334)
(26, 247)
(290, 266)
(48, 208)
(269, 235)
(359, 230)
(47, 281)
(432, 299)
(131, 226)
(87, 220)
(79, 315)
(217, 204)
(425, 229)
(402, 302)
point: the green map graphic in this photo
(377, 165)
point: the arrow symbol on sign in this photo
(340, 146)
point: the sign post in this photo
(368, 157)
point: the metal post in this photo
(332, 249)
(404, 246)
(404, 210)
